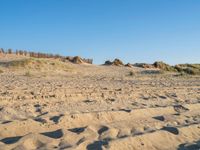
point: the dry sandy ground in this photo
(97, 107)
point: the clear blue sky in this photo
(132, 30)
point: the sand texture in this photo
(49, 104)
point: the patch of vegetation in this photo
(143, 65)
(1, 71)
(52, 63)
(153, 72)
(16, 63)
(129, 65)
(118, 62)
(183, 69)
(38, 61)
(191, 69)
(108, 62)
(131, 73)
(163, 66)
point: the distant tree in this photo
(50, 55)
(57, 56)
(31, 54)
(2, 50)
(20, 52)
(17, 52)
(9, 51)
(25, 53)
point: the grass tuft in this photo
(131, 73)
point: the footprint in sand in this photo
(160, 118)
(78, 130)
(41, 120)
(56, 119)
(172, 130)
(180, 108)
(11, 140)
(54, 134)
(102, 129)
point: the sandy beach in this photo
(50, 104)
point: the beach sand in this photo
(48, 104)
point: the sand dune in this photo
(49, 104)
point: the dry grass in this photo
(15, 63)
(191, 69)
(163, 66)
